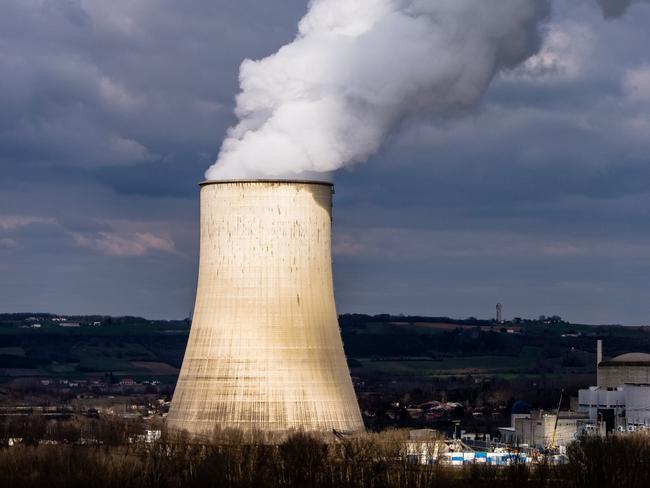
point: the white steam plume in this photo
(356, 68)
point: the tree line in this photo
(117, 459)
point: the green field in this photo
(449, 366)
(530, 361)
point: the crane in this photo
(557, 417)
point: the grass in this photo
(529, 362)
(448, 366)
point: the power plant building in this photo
(627, 368)
(265, 351)
(622, 395)
(541, 429)
(544, 429)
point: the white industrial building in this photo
(622, 396)
(542, 429)
(628, 405)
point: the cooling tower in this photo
(265, 351)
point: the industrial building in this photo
(542, 430)
(632, 367)
(622, 396)
(265, 352)
(626, 407)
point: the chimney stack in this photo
(599, 359)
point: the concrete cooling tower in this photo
(265, 351)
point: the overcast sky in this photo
(112, 111)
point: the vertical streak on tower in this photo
(265, 351)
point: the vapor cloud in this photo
(567, 46)
(355, 69)
(113, 244)
(636, 84)
(12, 222)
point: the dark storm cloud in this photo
(616, 8)
(95, 84)
(112, 111)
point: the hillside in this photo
(376, 346)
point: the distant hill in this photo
(43, 344)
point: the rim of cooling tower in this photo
(255, 180)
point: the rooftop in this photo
(636, 358)
(262, 180)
